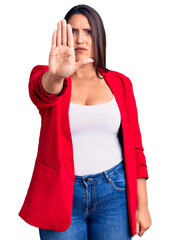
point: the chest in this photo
(91, 92)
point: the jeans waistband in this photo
(101, 175)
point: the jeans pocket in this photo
(118, 180)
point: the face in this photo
(81, 36)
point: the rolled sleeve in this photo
(141, 165)
(37, 93)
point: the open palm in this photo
(62, 62)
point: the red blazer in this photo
(49, 199)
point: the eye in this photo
(73, 30)
(89, 31)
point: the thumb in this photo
(137, 227)
(83, 62)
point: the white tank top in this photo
(94, 130)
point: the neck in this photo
(85, 72)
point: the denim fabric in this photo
(99, 208)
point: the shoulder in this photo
(125, 79)
(120, 79)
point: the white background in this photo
(138, 45)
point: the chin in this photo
(81, 57)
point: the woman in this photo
(90, 141)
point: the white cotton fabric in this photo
(94, 130)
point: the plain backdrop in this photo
(138, 45)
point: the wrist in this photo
(142, 200)
(142, 205)
(54, 78)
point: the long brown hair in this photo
(98, 34)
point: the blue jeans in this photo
(99, 208)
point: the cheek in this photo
(90, 43)
(92, 47)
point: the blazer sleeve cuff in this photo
(39, 96)
(142, 172)
(141, 166)
(47, 96)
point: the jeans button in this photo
(88, 179)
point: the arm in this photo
(143, 219)
(142, 200)
(46, 82)
(51, 84)
(141, 166)
(39, 96)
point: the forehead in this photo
(79, 21)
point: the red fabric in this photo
(49, 199)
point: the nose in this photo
(79, 38)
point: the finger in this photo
(141, 232)
(83, 62)
(58, 40)
(70, 36)
(64, 33)
(53, 44)
(137, 228)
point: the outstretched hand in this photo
(62, 62)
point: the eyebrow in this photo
(83, 28)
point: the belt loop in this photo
(106, 176)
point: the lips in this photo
(80, 49)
